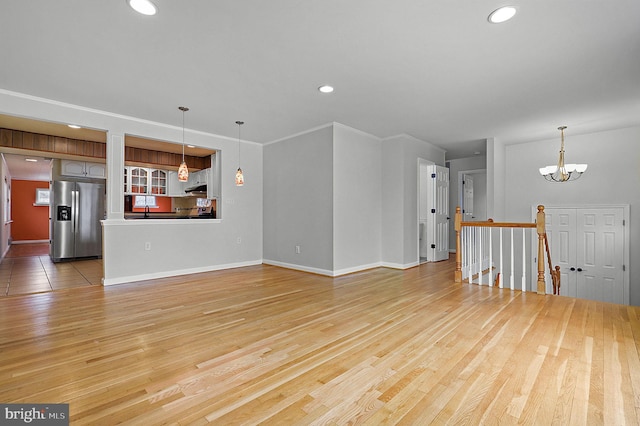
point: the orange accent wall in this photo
(29, 222)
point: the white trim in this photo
(353, 269)
(114, 115)
(319, 271)
(299, 267)
(399, 265)
(304, 132)
(166, 274)
(413, 138)
(354, 130)
(29, 241)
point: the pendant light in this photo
(562, 172)
(183, 171)
(239, 176)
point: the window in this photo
(145, 200)
(42, 197)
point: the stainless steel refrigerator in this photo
(76, 211)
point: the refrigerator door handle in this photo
(74, 210)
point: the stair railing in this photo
(474, 258)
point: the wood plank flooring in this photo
(266, 345)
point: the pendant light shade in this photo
(183, 171)
(239, 175)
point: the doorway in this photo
(591, 246)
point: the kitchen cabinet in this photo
(175, 188)
(158, 182)
(199, 178)
(83, 169)
(142, 180)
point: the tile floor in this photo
(27, 268)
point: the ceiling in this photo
(435, 70)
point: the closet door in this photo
(588, 245)
(600, 245)
(561, 232)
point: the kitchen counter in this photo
(151, 215)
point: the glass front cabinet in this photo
(142, 180)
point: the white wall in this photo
(613, 177)
(176, 247)
(495, 179)
(357, 199)
(400, 197)
(298, 201)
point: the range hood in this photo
(197, 190)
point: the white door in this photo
(600, 255)
(588, 245)
(438, 196)
(467, 200)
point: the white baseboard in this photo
(399, 265)
(298, 267)
(166, 274)
(338, 272)
(29, 241)
(325, 272)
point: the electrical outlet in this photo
(147, 246)
(239, 240)
(297, 249)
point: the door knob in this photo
(572, 269)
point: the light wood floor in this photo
(265, 345)
(27, 268)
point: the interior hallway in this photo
(27, 268)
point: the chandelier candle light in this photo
(562, 172)
(239, 176)
(183, 171)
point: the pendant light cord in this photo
(239, 123)
(183, 135)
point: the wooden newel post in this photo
(541, 230)
(457, 277)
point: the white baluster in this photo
(490, 259)
(512, 276)
(480, 256)
(501, 261)
(524, 262)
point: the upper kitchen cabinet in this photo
(158, 182)
(143, 180)
(83, 169)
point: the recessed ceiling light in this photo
(31, 160)
(144, 7)
(74, 126)
(501, 15)
(325, 89)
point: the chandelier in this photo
(562, 172)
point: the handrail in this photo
(555, 273)
(540, 230)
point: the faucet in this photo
(146, 212)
